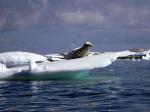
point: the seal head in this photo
(88, 44)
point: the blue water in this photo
(122, 87)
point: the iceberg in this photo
(47, 69)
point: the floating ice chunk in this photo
(125, 53)
(147, 57)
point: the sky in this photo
(52, 26)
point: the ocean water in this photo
(123, 86)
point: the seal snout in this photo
(88, 44)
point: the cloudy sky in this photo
(50, 26)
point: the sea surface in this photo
(123, 86)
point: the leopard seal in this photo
(80, 52)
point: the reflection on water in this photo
(120, 87)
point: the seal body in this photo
(79, 52)
(137, 50)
